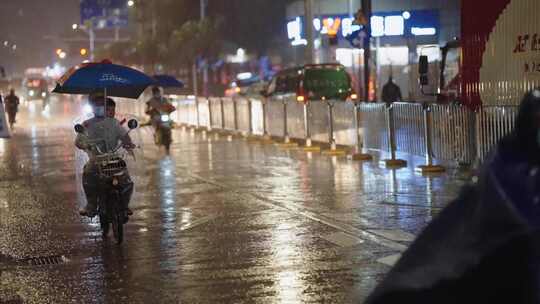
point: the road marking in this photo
(346, 228)
(394, 234)
(342, 239)
(198, 222)
(390, 260)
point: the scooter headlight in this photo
(31, 93)
(165, 118)
(43, 94)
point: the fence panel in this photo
(373, 121)
(452, 133)
(257, 122)
(344, 128)
(215, 109)
(204, 112)
(409, 128)
(274, 118)
(228, 110)
(492, 124)
(318, 119)
(295, 120)
(242, 114)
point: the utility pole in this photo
(92, 37)
(203, 9)
(308, 28)
(205, 68)
(366, 9)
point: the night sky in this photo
(31, 25)
(36, 26)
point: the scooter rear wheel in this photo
(104, 225)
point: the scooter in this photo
(111, 170)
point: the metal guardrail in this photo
(409, 128)
(373, 118)
(274, 118)
(243, 115)
(492, 124)
(257, 117)
(453, 133)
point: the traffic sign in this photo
(104, 13)
(357, 38)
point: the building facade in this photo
(401, 30)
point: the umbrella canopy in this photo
(112, 79)
(167, 81)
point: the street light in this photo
(83, 52)
(58, 51)
(90, 31)
(62, 55)
(130, 3)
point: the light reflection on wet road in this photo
(217, 222)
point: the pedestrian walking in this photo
(12, 107)
(484, 247)
(391, 92)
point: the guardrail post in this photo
(250, 118)
(266, 138)
(222, 114)
(210, 116)
(359, 153)
(286, 138)
(428, 167)
(478, 136)
(307, 128)
(392, 162)
(331, 138)
(197, 111)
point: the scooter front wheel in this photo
(118, 228)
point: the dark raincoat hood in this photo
(527, 126)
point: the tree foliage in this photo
(195, 39)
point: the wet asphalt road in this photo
(219, 221)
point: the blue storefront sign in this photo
(383, 24)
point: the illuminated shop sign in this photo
(407, 23)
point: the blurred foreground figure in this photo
(485, 246)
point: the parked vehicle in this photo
(495, 61)
(248, 87)
(312, 82)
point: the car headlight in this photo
(31, 92)
(43, 94)
(165, 118)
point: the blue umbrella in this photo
(167, 81)
(111, 79)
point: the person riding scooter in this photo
(159, 110)
(105, 133)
